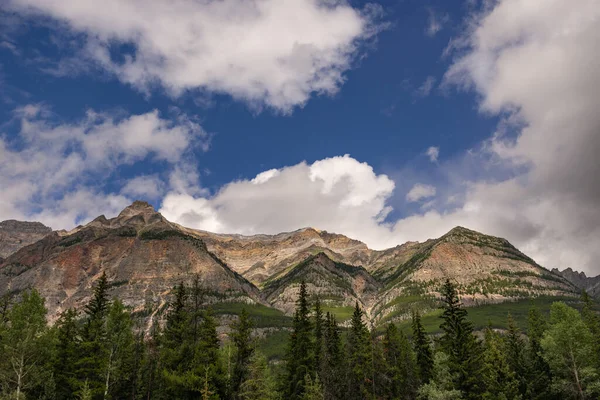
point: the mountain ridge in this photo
(145, 255)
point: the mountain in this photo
(583, 282)
(144, 256)
(17, 234)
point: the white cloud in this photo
(433, 153)
(265, 52)
(534, 182)
(436, 22)
(338, 194)
(144, 187)
(420, 191)
(426, 87)
(48, 170)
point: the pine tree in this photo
(539, 376)
(259, 385)
(422, 348)
(242, 339)
(567, 345)
(313, 389)
(514, 348)
(93, 346)
(360, 358)
(592, 321)
(318, 334)
(500, 380)
(300, 355)
(460, 344)
(333, 364)
(66, 355)
(401, 364)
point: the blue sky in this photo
(442, 108)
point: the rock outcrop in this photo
(590, 284)
(17, 234)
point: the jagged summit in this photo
(136, 208)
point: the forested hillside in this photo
(104, 352)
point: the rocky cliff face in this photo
(583, 282)
(144, 256)
(17, 234)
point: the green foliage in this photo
(460, 344)
(422, 347)
(300, 355)
(260, 384)
(400, 364)
(568, 345)
(360, 358)
(241, 337)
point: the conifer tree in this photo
(460, 344)
(592, 321)
(539, 376)
(401, 364)
(93, 346)
(318, 334)
(242, 339)
(333, 361)
(500, 380)
(422, 348)
(360, 358)
(300, 355)
(67, 332)
(313, 389)
(259, 385)
(514, 348)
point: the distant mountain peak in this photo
(137, 207)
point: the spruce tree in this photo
(514, 348)
(422, 348)
(66, 354)
(460, 344)
(300, 354)
(93, 346)
(241, 336)
(333, 363)
(500, 380)
(318, 334)
(592, 321)
(539, 377)
(360, 358)
(401, 364)
(260, 384)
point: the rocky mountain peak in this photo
(136, 208)
(17, 234)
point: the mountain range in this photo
(144, 256)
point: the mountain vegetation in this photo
(102, 353)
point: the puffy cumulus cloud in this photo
(338, 194)
(420, 191)
(265, 52)
(536, 63)
(55, 172)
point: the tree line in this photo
(103, 353)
